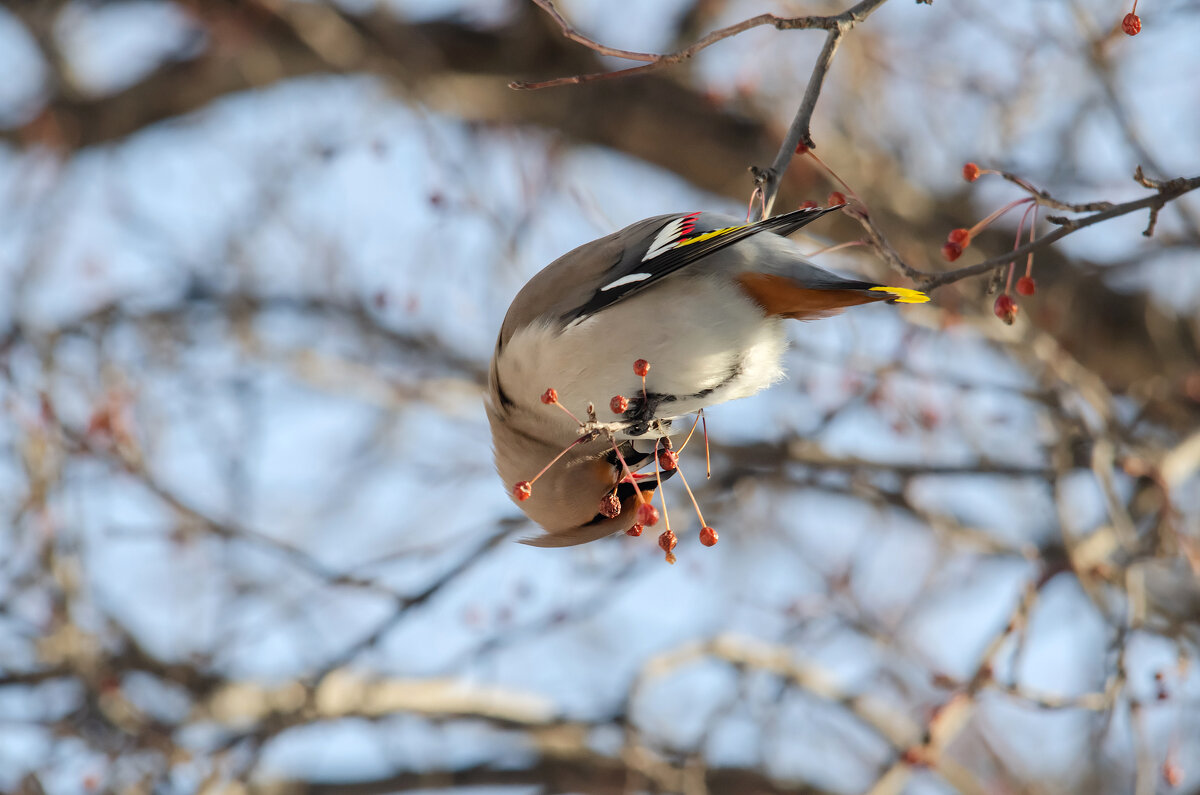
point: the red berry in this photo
(668, 459)
(708, 536)
(522, 490)
(970, 172)
(801, 149)
(960, 236)
(1026, 285)
(1006, 309)
(667, 540)
(610, 506)
(951, 251)
(1132, 24)
(618, 404)
(808, 205)
(634, 531)
(647, 514)
(549, 396)
(641, 367)
(836, 198)
(1172, 773)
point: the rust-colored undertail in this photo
(779, 295)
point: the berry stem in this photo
(567, 410)
(831, 249)
(695, 504)
(625, 467)
(834, 174)
(565, 450)
(688, 438)
(975, 229)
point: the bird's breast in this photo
(705, 340)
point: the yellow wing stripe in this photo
(903, 295)
(708, 235)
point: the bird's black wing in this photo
(679, 242)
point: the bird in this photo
(699, 301)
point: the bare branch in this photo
(800, 131)
(657, 61)
(1167, 191)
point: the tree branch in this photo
(1167, 191)
(657, 61)
(800, 132)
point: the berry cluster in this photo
(1005, 307)
(666, 460)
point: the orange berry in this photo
(970, 172)
(835, 198)
(960, 236)
(668, 459)
(1172, 773)
(550, 396)
(667, 540)
(1006, 308)
(522, 490)
(634, 531)
(708, 536)
(1132, 24)
(1026, 285)
(618, 404)
(641, 367)
(951, 251)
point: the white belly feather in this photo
(706, 345)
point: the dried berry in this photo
(836, 198)
(1006, 308)
(668, 459)
(667, 540)
(618, 404)
(951, 251)
(801, 149)
(960, 236)
(647, 514)
(641, 367)
(522, 490)
(1172, 773)
(549, 396)
(610, 506)
(1132, 24)
(708, 536)
(970, 172)
(808, 205)
(634, 531)
(1026, 285)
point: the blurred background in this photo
(253, 258)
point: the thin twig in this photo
(1166, 192)
(800, 130)
(659, 60)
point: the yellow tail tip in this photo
(903, 295)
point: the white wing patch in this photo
(630, 279)
(670, 235)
